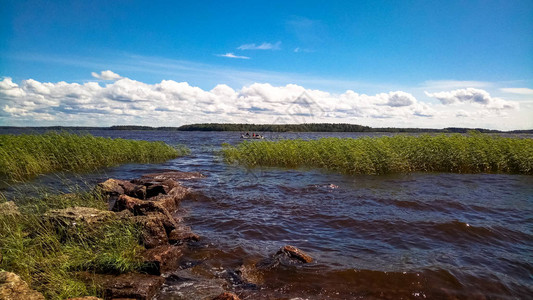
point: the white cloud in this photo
(172, 103)
(472, 95)
(231, 55)
(519, 91)
(106, 75)
(263, 46)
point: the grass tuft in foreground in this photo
(48, 256)
(473, 153)
(25, 156)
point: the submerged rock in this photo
(286, 256)
(295, 253)
(12, 287)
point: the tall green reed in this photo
(473, 153)
(25, 156)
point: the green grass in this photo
(473, 153)
(25, 156)
(47, 257)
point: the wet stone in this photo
(161, 259)
(135, 286)
(286, 256)
(295, 253)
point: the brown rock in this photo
(153, 230)
(162, 204)
(295, 253)
(14, 288)
(73, 216)
(136, 286)
(9, 209)
(161, 259)
(227, 296)
(111, 187)
(85, 298)
(125, 202)
(172, 199)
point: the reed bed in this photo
(48, 257)
(472, 153)
(25, 156)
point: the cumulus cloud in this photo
(263, 46)
(106, 75)
(176, 103)
(231, 55)
(472, 95)
(171, 103)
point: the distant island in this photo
(311, 127)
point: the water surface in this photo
(422, 235)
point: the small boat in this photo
(249, 137)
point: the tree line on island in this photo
(309, 127)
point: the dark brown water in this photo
(403, 236)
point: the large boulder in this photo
(134, 286)
(12, 287)
(163, 204)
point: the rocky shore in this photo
(153, 203)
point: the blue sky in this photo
(479, 52)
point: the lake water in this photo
(421, 235)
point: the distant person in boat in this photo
(247, 134)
